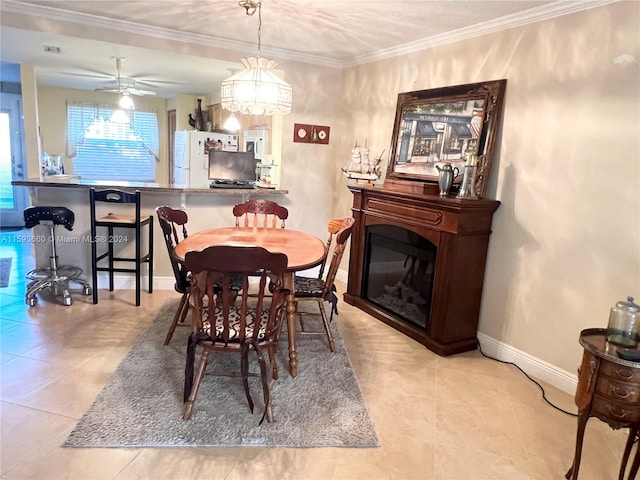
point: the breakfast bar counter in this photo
(69, 181)
(206, 208)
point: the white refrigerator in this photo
(191, 155)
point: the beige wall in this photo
(52, 111)
(309, 171)
(566, 239)
(183, 105)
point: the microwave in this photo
(256, 141)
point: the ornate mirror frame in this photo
(442, 125)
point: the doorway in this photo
(13, 200)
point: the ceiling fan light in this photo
(126, 102)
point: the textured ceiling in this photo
(324, 32)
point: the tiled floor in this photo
(461, 417)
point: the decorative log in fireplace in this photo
(417, 263)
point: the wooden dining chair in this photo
(174, 229)
(322, 288)
(251, 324)
(260, 214)
(173, 224)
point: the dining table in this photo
(303, 251)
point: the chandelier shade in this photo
(256, 90)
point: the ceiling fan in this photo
(123, 85)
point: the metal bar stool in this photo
(55, 279)
(111, 222)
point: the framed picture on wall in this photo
(444, 125)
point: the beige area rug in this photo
(141, 406)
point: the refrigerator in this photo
(191, 155)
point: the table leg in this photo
(633, 431)
(288, 279)
(583, 416)
(636, 464)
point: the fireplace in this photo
(398, 273)
(417, 263)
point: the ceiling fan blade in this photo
(145, 81)
(139, 92)
(107, 89)
(85, 75)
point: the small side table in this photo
(609, 389)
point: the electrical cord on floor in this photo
(544, 395)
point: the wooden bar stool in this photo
(114, 221)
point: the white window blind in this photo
(105, 150)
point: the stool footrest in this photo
(62, 273)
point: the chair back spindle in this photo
(260, 214)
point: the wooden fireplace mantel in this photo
(460, 230)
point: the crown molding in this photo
(533, 15)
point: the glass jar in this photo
(624, 324)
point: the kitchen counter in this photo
(70, 181)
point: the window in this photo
(106, 150)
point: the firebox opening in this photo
(398, 272)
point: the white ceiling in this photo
(323, 32)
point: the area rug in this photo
(5, 271)
(141, 406)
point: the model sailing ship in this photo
(361, 166)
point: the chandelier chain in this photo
(259, 27)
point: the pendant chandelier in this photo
(256, 90)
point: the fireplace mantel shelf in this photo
(459, 229)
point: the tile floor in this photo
(461, 417)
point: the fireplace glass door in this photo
(398, 273)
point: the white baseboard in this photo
(343, 276)
(539, 369)
(128, 282)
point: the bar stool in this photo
(111, 222)
(55, 279)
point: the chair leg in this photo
(176, 318)
(244, 372)
(271, 349)
(138, 246)
(109, 238)
(266, 392)
(323, 313)
(188, 407)
(150, 262)
(94, 265)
